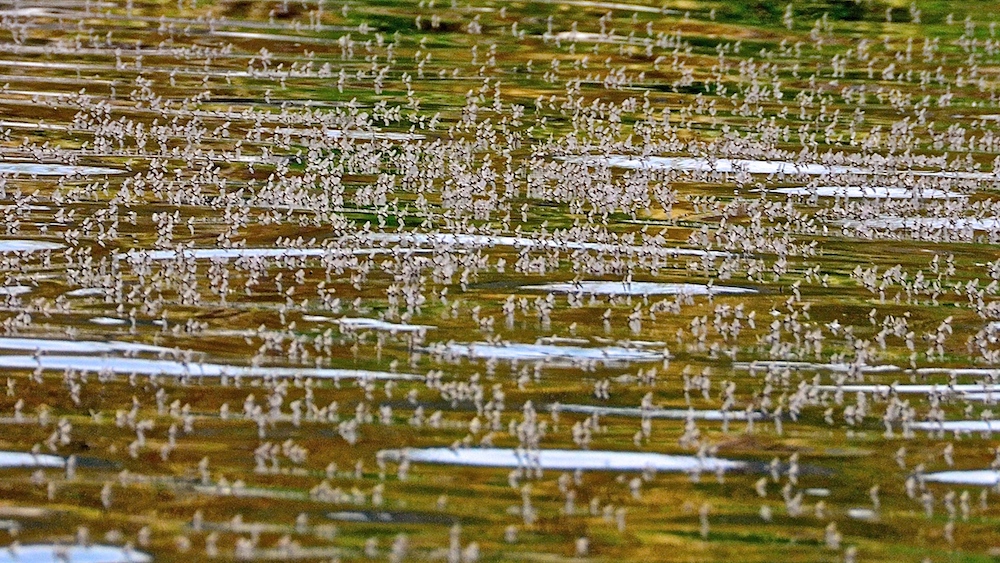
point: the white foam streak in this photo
(669, 414)
(589, 460)
(928, 223)
(793, 365)
(347, 323)
(638, 288)
(546, 352)
(446, 239)
(32, 168)
(14, 290)
(27, 459)
(409, 242)
(78, 346)
(869, 192)
(234, 253)
(752, 166)
(51, 553)
(981, 477)
(908, 389)
(28, 245)
(723, 165)
(958, 425)
(142, 366)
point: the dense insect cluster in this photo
(475, 280)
